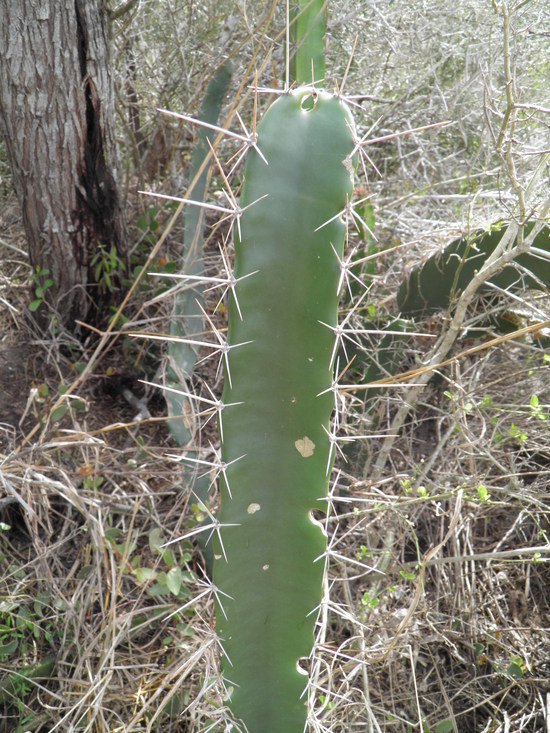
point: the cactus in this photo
(276, 448)
(433, 286)
(187, 319)
(308, 30)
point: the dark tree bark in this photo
(57, 118)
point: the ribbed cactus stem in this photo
(308, 31)
(269, 557)
(187, 320)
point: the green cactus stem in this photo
(276, 450)
(308, 32)
(433, 286)
(187, 319)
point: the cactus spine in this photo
(276, 447)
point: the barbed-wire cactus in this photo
(276, 447)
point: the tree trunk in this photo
(57, 118)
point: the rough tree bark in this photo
(57, 119)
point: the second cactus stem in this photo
(276, 449)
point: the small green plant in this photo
(370, 600)
(106, 265)
(11, 633)
(41, 281)
(28, 629)
(148, 225)
(483, 494)
(362, 553)
(15, 686)
(518, 434)
(536, 408)
(408, 482)
(517, 668)
(326, 704)
(70, 404)
(164, 573)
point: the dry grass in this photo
(436, 606)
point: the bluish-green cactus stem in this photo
(434, 285)
(187, 319)
(269, 557)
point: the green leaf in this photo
(79, 405)
(79, 366)
(168, 557)
(126, 548)
(515, 668)
(483, 493)
(111, 533)
(41, 603)
(9, 647)
(173, 580)
(84, 571)
(369, 601)
(35, 305)
(59, 412)
(445, 726)
(143, 575)
(158, 589)
(156, 540)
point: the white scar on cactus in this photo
(305, 447)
